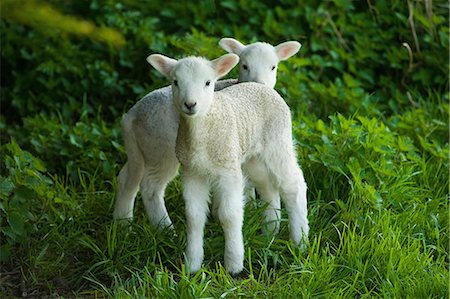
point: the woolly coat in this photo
(244, 121)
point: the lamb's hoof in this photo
(123, 221)
(241, 275)
(302, 245)
(124, 224)
(270, 229)
(234, 268)
(237, 274)
(169, 230)
(193, 265)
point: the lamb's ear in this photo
(161, 63)
(231, 45)
(287, 49)
(224, 64)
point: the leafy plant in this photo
(24, 191)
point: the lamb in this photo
(245, 127)
(150, 127)
(259, 61)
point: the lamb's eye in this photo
(175, 82)
(245, 67)
(273, 68)
(208, 83)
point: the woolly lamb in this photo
(259, 61)
(243, 127)
(150, 127)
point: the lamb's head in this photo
(259, 61)
(193, 80)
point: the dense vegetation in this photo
(369, 97)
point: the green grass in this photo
(370, 121)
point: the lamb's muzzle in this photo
(190, 108)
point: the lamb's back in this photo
(261, 114)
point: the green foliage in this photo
(369, 98)
(24, 191)
(353, 53)
(84, 144)
(367, 168)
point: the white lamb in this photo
(246, 127)
(259, 61)
(150, 127)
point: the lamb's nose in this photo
(190, 105)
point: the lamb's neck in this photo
(191, 131)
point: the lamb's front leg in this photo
(231, 215)
(196, 196)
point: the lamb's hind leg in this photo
(131, 174)
(260, 178)
(128, 185)
(293, 191)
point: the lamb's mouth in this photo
(190, 113)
